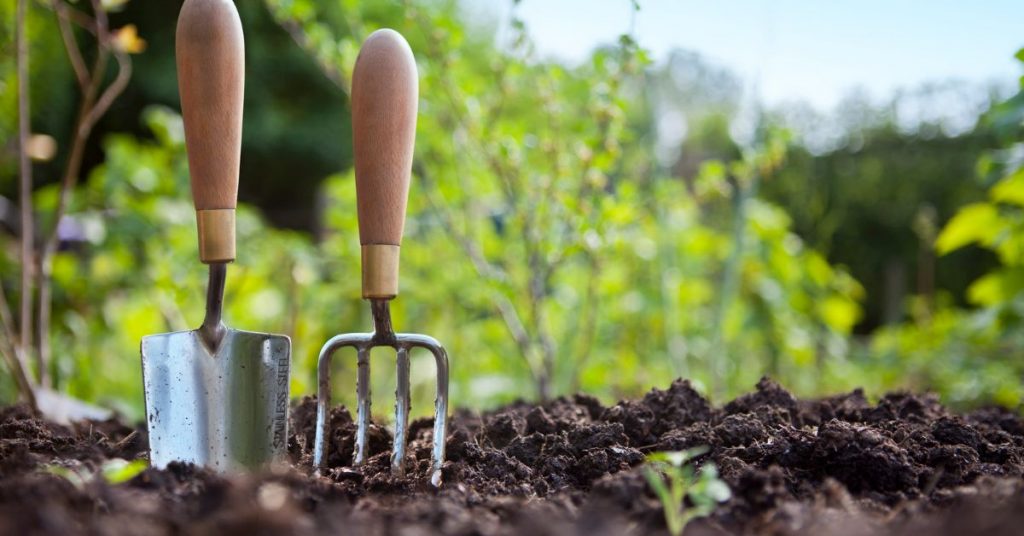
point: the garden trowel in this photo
(215, 396)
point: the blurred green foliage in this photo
(858, 205)
(545, 246)
(974, 356)
(558, 252)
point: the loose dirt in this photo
(840, 465)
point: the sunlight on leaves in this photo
(973, 223)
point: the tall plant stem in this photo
(94, 104)
(25, 186)
(730, 283)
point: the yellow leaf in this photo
(995, 288)
(840, 314)
(1010, 189)
(987, 290)
(973, 223)
(126, 39)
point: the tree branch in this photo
(114, 90)
(80, 19)
(329, 71)
(90, 111)
(506, 309)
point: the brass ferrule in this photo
(216, 235)
(380, 271)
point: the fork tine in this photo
(402, 405)
(440, 401)
(363, 404)
(323, 405)
(323, 391)
(440, 414)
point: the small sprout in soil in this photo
(118, 470)
(113, 471)
(674, 480)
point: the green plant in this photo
(562, 244)
(544, 246)
(675, 482)
(112, 471)
(35, 297)
(967, 355)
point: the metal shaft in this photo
(383, 333)
(212, 331)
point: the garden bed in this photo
(833, 466)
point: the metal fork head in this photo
(383, 335)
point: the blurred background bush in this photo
(554, 242)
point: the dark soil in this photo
(840, 465)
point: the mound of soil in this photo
(839, 465)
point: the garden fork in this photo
(384, 95)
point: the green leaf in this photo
(973, 223)
(676, 458)
(671, 503)
(719, 490)
(839, 313)
(1010, 189)
(74, 477)
(997, 287)
(1019, 55)
(119, 470)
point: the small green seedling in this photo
(114, 471)
(674, 480)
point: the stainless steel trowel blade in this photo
(227, 410)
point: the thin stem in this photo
(82, 20)
(537, 295)
(124, 74)
(25, 184)
(90, 111)
(294, 303)
(730, 280)
(296, 32)
(487, 270)
(14, 355)
(52, 241)
(70, 44)
(588, 329)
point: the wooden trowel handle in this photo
(384, 102)
(211, 79)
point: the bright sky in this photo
(812, 50)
